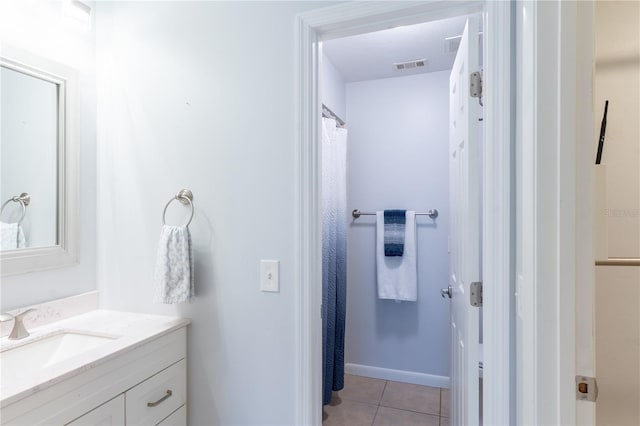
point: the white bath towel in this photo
(397, 275)
(174, 266)
(12, 236)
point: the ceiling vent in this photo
(451, 44)
(418, 63)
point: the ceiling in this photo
(371, 56)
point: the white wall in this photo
(332, 87)
(617, 78)
(617, 289)
(29, 153)
(397, 158)
(201, 95)
(617, 327)
(42, 28)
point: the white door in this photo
(465, 208)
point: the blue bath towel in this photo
(394, 224)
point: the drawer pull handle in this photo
(161, 400)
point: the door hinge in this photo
(475, 294)
(475, 85)
(586, 388)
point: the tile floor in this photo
(373, 402)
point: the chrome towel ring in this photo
(185, 197)
(23, 199)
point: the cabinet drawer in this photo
(158, 396)
(178, 418)
(110, 413)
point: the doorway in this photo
(341, 21)
(386, 99)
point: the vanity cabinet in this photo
(143, 385)
(148, 403)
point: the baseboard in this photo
(397, 375)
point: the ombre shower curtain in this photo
(334, 255)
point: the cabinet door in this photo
(178, 418)
(110, 413)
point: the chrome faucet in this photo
(18, 331)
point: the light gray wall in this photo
(41, 28)
(333, 88)
(201, 95)
(397, 158)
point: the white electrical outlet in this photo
(270, 275)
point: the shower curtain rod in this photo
(326, 112)
(433, 213)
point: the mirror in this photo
(37, 164)
(28, 151)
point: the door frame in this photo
(498, 216)
(555, 266)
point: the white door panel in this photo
(464, 175)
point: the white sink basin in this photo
(49, 350)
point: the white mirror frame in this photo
(64, 253)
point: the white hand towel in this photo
(12, 236)
(397, 275)
(174, 266)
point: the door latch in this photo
(446, 292)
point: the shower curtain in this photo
(334, 255)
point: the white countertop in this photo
(132, 330)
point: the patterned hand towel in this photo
(394, 227)
(174, 266)
(12, 236)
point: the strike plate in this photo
(586, 388)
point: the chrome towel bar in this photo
(433, 213)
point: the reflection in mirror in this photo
(29, 138)
(38, 163)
